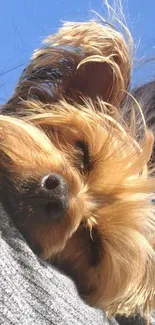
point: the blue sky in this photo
(24, 23)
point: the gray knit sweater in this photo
(32, 292)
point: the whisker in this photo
(27, 219)
(17, 211)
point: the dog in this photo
(75, 175)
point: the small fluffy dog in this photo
(74, 167)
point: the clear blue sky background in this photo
(24, 23)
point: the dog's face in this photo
(43, 191)
(81, 195)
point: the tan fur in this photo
(114, 198)
(106, 239)
(102, 44)
(83, 59)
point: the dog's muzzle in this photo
(55, 191)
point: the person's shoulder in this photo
(33, 292)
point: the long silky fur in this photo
(124, 278)
(86, 59)
(60, 104)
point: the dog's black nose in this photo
(55, 190)
(53, 182)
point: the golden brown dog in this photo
(74, 174)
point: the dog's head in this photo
(82, 195)
(73, 175)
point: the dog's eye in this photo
(83, 156)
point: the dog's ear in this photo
(98, 79)
(102, 68)
(57, 73)
(81, 60)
